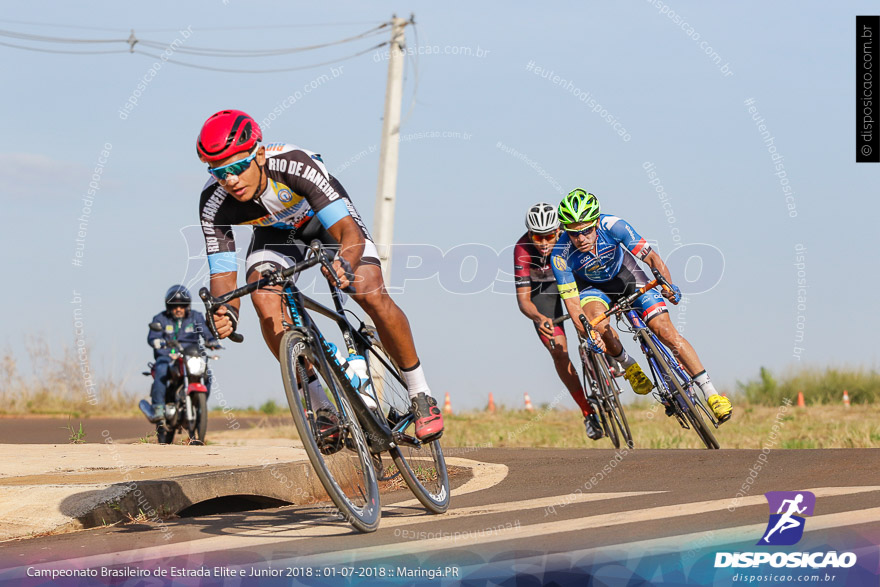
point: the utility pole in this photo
(386, 190)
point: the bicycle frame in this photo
(639, 329)
(379, 435)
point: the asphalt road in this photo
(546, 502)
(55, 430)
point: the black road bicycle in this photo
(346, 440)
(601, 389)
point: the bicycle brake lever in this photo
(210, 305)
(549, 326)
(327, 263)
(205, 295)
(585, 323)
(659, 277)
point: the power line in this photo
(65, 52)
(172, 30)
(266, 27)
(225, 53)
(298, 68)
(134, 46)
(43, 39)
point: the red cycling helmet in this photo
(226, 133)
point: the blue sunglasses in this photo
(236, 168)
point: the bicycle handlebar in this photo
(627, 301)
(658, 280)
(273, 277)
(620, 304)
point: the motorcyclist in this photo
(181, 323)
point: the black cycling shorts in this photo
(273, 248)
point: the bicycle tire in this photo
(423, 469)
(589, 375)
(613, 405)
(199, 428)
(350, 482)
(693, 416)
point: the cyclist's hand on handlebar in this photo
(595, 343)
(672, 293)
(545, 326)
(343, 273)
(224, 321)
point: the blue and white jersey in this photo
(615, 237)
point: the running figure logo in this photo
(786, 526)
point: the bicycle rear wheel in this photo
(422, 466)
(344, 465)
(612, 401)
(674, 385)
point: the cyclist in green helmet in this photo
(594, 263)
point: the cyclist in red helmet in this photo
(288, 196)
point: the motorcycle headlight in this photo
(196, 365)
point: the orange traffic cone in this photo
(491, 406)
(529, 406)
(447, 407)
(845, 398)
(801, 402)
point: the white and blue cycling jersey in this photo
(607, 272)
(615, 236)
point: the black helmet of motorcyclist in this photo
(177, 296)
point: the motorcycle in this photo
(186, 397)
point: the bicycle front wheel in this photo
(613, 407)
(342, 459)
(422, 466)
(675, 388)
(596, 397)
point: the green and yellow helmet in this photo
(579, 206)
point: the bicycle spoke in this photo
(422, 466)
(349, 479)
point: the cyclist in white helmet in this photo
(539, 300)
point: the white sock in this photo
(702, 379)
(624, 359)
(415, 381)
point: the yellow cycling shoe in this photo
(721, 407)
(638, 380)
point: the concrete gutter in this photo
(60, 488)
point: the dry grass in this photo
(751, 427)
(56, 385)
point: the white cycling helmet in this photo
(542, 217)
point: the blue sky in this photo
(474, 107)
